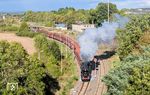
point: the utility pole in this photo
(108, 10)
(66, 45)
(61, 70)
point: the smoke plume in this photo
(90, 40)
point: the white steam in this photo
(91, 38)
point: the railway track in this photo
(99, 81)
(83, 88)
(95, 86)
(100, 88)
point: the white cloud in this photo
(132, 3)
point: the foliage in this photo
(56, 59)
(128, 38)
(26, 34)
(24, 27)
(145, 39)
(49, 24)
(9, 24)
(66, 15)
(9, 28)
(24, 31)
(48, 47)
(70, 16)
(16, 66)
(100, 14)
(49, 53)
(131, 76)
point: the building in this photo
(61, 26)
(138, 11)
(81, 27)
(2, 17)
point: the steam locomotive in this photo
(86, 69)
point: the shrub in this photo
(26, 34)
(24, 31)
(9, 28)
(49, 24)
(24, 27)
(129, 37)
(131, 77)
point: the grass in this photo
(8, 28)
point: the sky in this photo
(47, 5)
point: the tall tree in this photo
(128, 38)
(100, 14)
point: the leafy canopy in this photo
(131, 77)
(16, 66)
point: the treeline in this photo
(66, 15)
(8, 25)
(70, 15)
(131, 76)
(20, 30)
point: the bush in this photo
(26, 34)
(24, 27)
(49, 53)
(18, 67)
(24, 31)
(131, 77)
(129, 37)
(49, 24)
(9, 28)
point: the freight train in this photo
(87, 66)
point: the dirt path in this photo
(26, 42)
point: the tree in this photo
(50, 54)
(49, 24)
(25, 31)
(16, 66)
(28, 16)
(48, 47)
(131, 76)
(24, 27)
(92, 16)
(100, 14)
(128, 38)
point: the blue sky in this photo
(47, 5)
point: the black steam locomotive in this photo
(86, 69)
